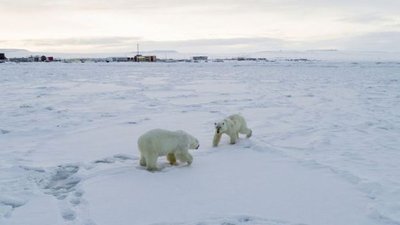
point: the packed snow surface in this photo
(325, 148)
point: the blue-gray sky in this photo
(223, 26)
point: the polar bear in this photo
(159, 142)
(232, 126)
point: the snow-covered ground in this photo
(325, 148)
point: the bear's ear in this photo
(215, 124)
(223, 123)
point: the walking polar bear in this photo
(232, 126)
(173, 144)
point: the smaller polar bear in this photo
(173, 144)
(232, 126)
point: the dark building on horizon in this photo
(35, 58)
(200, 58)
(145, 58)
(20, 60)
(3, 57)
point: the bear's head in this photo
(191, 141)
(221, 127)
(194, 144)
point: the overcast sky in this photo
(224, 26)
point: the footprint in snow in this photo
(68, 214)
(113, 159)
(4, 131)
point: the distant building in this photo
(50, 59)
(43, 58)
(218, 60)
(19, 60)
(2, 57)
(200, 58)
(145, 58)
(123, 59)
(36, 58)
(120, 59)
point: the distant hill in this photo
(162, 54)
(163, 51)
(14, 52)
(328, 54)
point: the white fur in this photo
(232, 126)
(158, 142)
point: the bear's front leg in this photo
(142, 161)
(217, 138)
(233, 139)
(185, 157)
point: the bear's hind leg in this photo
(249, 134)
(171, 158)
(246, 131)
(151, 163)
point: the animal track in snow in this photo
(64, 181)
(4, 131)
(69, 214)
(61, 181)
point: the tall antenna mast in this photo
(137, 46)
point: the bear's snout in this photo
(218, 130)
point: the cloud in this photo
(126, 44)
(137, 6)
(198, 25)
(85, 44)
(266, 6)
(366, 18)
(87, 41)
